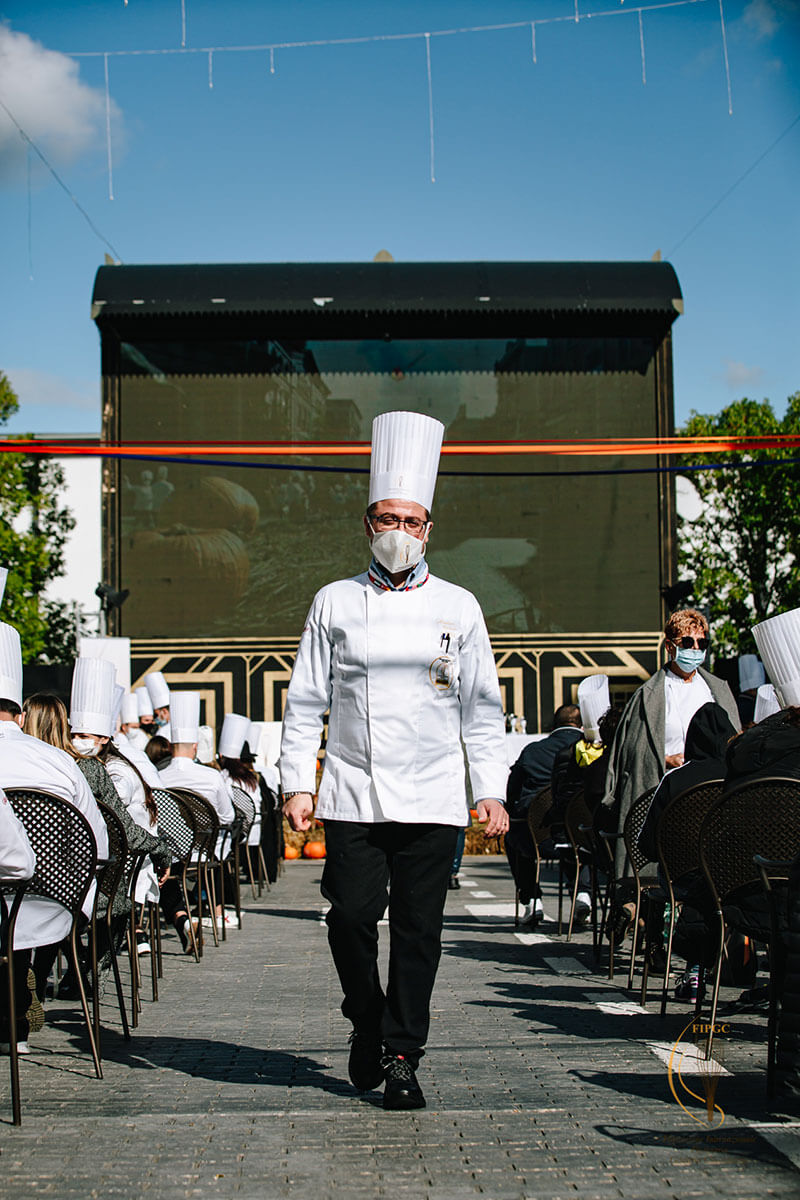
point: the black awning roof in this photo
(467, 287)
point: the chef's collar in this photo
(415, 578)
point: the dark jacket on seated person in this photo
(532, 770)
(710, 730)
(770, 748)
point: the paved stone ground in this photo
(542, 1079)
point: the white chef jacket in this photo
(17, 860)
(185, 773)
(143, 764)
(408, 676)
(27, 762)
(135, 737)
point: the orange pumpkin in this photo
(193, 575)
(290, 851)
(473, 812)
(314, 850)
(223, 503)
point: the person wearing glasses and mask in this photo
(651, 735)
(403, 661)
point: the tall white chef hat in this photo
(751, 672)
(205, 744)
(778, 641)
(235, 729)
(184, 717)
(766, 703)
(157, 689)
(144, 702)
(3, 578)
(10, 664)
(119, 696)
(405, 457)
(91, 707)
(129, 709)
(594, 700)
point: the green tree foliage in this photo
(34, 526)
(743, 551)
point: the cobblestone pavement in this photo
(543, 1079)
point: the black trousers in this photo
(410, 865)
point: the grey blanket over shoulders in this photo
(636, 762)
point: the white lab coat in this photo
(27, 762)
(17, 860)
(408, 676)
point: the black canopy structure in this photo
(222, 554)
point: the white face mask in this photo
(85, 746)
(397, 550)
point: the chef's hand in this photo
(162, 879)
(495, 816)
(298, 809)
(673, 760)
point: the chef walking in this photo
(403, 662)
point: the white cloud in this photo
(51, 403)
(739, 376)
(761, 17)
(58, 111)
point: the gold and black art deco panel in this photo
(537, 672)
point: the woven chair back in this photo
(64, 845)
(634, 823)
(245, 809)
(754, 818)
(678, 829)
(113, 872)
(205, 820)
(539, 806)
(173, 823)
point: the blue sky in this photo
(328, 158)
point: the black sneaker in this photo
(402, 1089)
(690, 987)
(364, 1066)
(454, 883)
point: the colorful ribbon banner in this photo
(598, 447)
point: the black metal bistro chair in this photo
(11, 890)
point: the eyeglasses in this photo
(392, 521)
(689, 643)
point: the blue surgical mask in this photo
(689, 660)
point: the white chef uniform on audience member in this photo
(234, 734)
(27, 762)
(17, 860)
(183, 772)
(145, 705)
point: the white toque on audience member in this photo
(234, 733)
(143, 700)
(778, 641)
(766, 703)
(205, 745)
(157, 689)
(405, 457)
(10, 664)
(129, 711)
(91, 706)
(3, 578)
(184, 713)
(593, 700)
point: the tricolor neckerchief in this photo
(415, 579)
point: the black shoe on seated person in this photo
(402, 1090)
(364, 1066)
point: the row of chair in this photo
(67, 866)
(742, 841)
